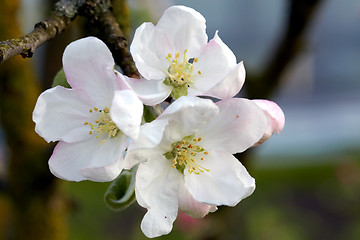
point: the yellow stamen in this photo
(103, 124)
(184, 155)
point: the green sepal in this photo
(60, 79)
(121, 192)
(148, 115)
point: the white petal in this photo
(239, 124)
(126, 112)
(88, 160)
(149, 50)
(230, 85)
(60, 114)
(189, 205)
(216, 61)
(191, 112)
(89, 65)
(185, 29)
(156, 189)
(142, 149)
(150, 135)
(150, 92)
(227, 182)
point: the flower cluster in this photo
(185, 156)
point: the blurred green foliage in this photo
(290, 203)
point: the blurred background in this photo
(304, 55)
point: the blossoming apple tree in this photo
(111, 125)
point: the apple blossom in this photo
(186, 159)
(175, 58)
(93, 120)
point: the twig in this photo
(99, 13)
(26, 45)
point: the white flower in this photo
(93, 120)
(186, 159)
(175, 58)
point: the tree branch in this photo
(301, 14)
(100, 15)
(26, 45)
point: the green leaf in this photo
(60, 79)
(121, 192)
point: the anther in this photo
(206, 153)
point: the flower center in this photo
(180, 74)
(187, 153)
(103, 125)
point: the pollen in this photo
(187, 154)
(103, 126)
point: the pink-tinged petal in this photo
(230, 85)
(88, 160)
(189, 205)
(156, 189)
(185, 29)
(150, 92)
(215, 62)
(226, 183)
(122, 81)
(126, 112)
(149, 50)
(190, 112)
(60, 114)
(275, 118)
(239, 125)
(89, 66)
